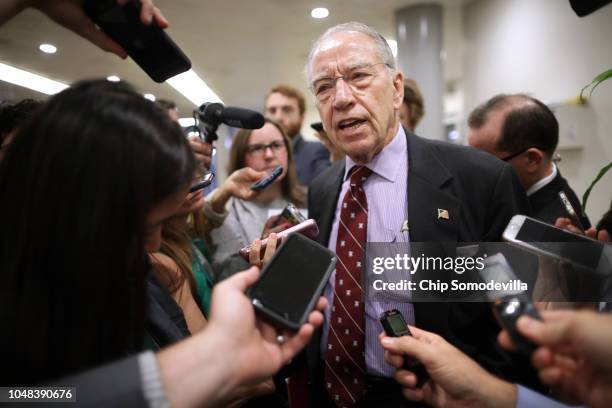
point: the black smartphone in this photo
(203, 182)
(545, 239)
(267, 180)
(507, 311)
(292, 282)
(395, 326)
(149, 46)
(569, 209)
(508, 305)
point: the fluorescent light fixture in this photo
(48, 48)
(319, 12)
(393, 46)
(150, 97)
(29, 80)
(186, 122)
(113, 78)
(192, 87)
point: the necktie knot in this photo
(359, 174)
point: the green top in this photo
(204, 281)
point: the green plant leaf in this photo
(596, 81)
(601, 173)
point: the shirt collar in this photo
(384, 163)
(543, 182)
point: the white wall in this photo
(542, 48)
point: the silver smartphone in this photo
(569, 209)
(544, 239)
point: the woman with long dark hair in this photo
(85, 185)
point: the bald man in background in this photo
(523, 132)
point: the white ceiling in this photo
(239, 47)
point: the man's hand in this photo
(235, 352)
(455, 380)
(575, 357)
(70, 14)
(254, 354)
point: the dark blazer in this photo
(481, 194)
(311, 158)
(547, 207)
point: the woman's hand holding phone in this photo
(255, 258)
(238, 185)
(566, 224)
(272, 226)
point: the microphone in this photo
(213, 114)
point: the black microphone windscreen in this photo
(586, 7)
(242, 118)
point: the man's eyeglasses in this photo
(517, 154)
(357, 79)
(259, 149)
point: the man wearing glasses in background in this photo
(524, 132)
(393, 186)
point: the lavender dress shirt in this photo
(387, 193)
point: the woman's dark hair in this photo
(12, 115)
(76, 185)
(290, 187)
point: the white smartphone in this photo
(544, 239)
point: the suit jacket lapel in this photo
(428, 193)
(326, 198)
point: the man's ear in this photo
(534, 159)
(398, 89)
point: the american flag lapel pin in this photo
(443, 214)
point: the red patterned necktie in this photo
(344, 359)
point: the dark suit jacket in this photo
(481, 193)
(311, 158)
(117, 384)
(547, 207)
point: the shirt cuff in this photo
(527, 398)
(152, 386)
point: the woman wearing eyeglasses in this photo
(262, 150)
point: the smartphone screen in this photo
(291, 283)
(574, 247)
(398, 325)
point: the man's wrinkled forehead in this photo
(343, 51)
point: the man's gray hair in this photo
(381, 44)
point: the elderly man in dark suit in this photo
(393, 187)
